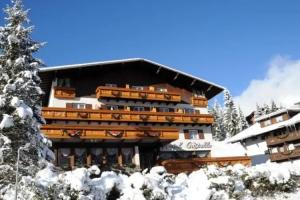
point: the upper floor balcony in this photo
(199, 102)
(64, 92)
(124, 116)
(282, 138)
(137, 94)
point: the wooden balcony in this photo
(177, 166)
(199, 102)
(287, 137)
(109, 132)
(124, 116)
(286, 155)
(126, 93)
(64, 92)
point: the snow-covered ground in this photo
(267, 181)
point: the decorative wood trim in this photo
(64, 92)
(127, 93)
(199, 102)
(124, 116)
(104, 132)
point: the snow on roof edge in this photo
(72, 66)
(247, 133)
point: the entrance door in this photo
(148, 156)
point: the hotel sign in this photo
(187, 145)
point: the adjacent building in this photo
(273, 137)
(131, 112)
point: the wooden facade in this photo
(123, 113)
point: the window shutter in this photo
(201, 134)
(186, 134)
(69, 105)
(88, 106)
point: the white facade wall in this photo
(256, 148)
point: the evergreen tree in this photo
(230, 116)
(20, 98)
(243, 124)
(274, 107)
(218, 126)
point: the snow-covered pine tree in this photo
(243, 124)
(273, 106)
(230, 116)
(218, 126)
(258, 112)
(20, 98)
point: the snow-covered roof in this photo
(256, 129)
(294, 108)
(73, 66)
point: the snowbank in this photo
(232, 182)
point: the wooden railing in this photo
(188, 165)
(126, 93)
(287, 137)
(64, 92)
(286, 155)
(124, 116)
(199, 101)
(109, 132)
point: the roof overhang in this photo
(212, 89)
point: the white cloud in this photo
(281, 84)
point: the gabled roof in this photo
(212, 89)
(256, 129)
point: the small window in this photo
(267, 122)
(160, 89)
(136, 87)
(279, 118)
(110, 85)
(63, 82)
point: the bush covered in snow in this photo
(232, 182)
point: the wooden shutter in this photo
(201, 134)
(186, 134)
(69, 105)
(88, 106)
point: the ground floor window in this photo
(127, 156)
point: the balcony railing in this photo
(124, 116)
(126, 93)
(287, 137)
(109, 132)
(286, 155)
(199, 101)
(64, 92)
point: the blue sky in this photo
(227, 42)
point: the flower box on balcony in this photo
(64, 92)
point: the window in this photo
(63, 82)
(112, 107)
(96, 156)
(162, 109)
(136, 87)
(193, 134)
(267, 122)
(160, 89)
(110, 85)
(189, 110)
(127, 155)
(138, 108)
(112, 156)
(279, 118)
(80, 157)
(64, 158)
(79, 105)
